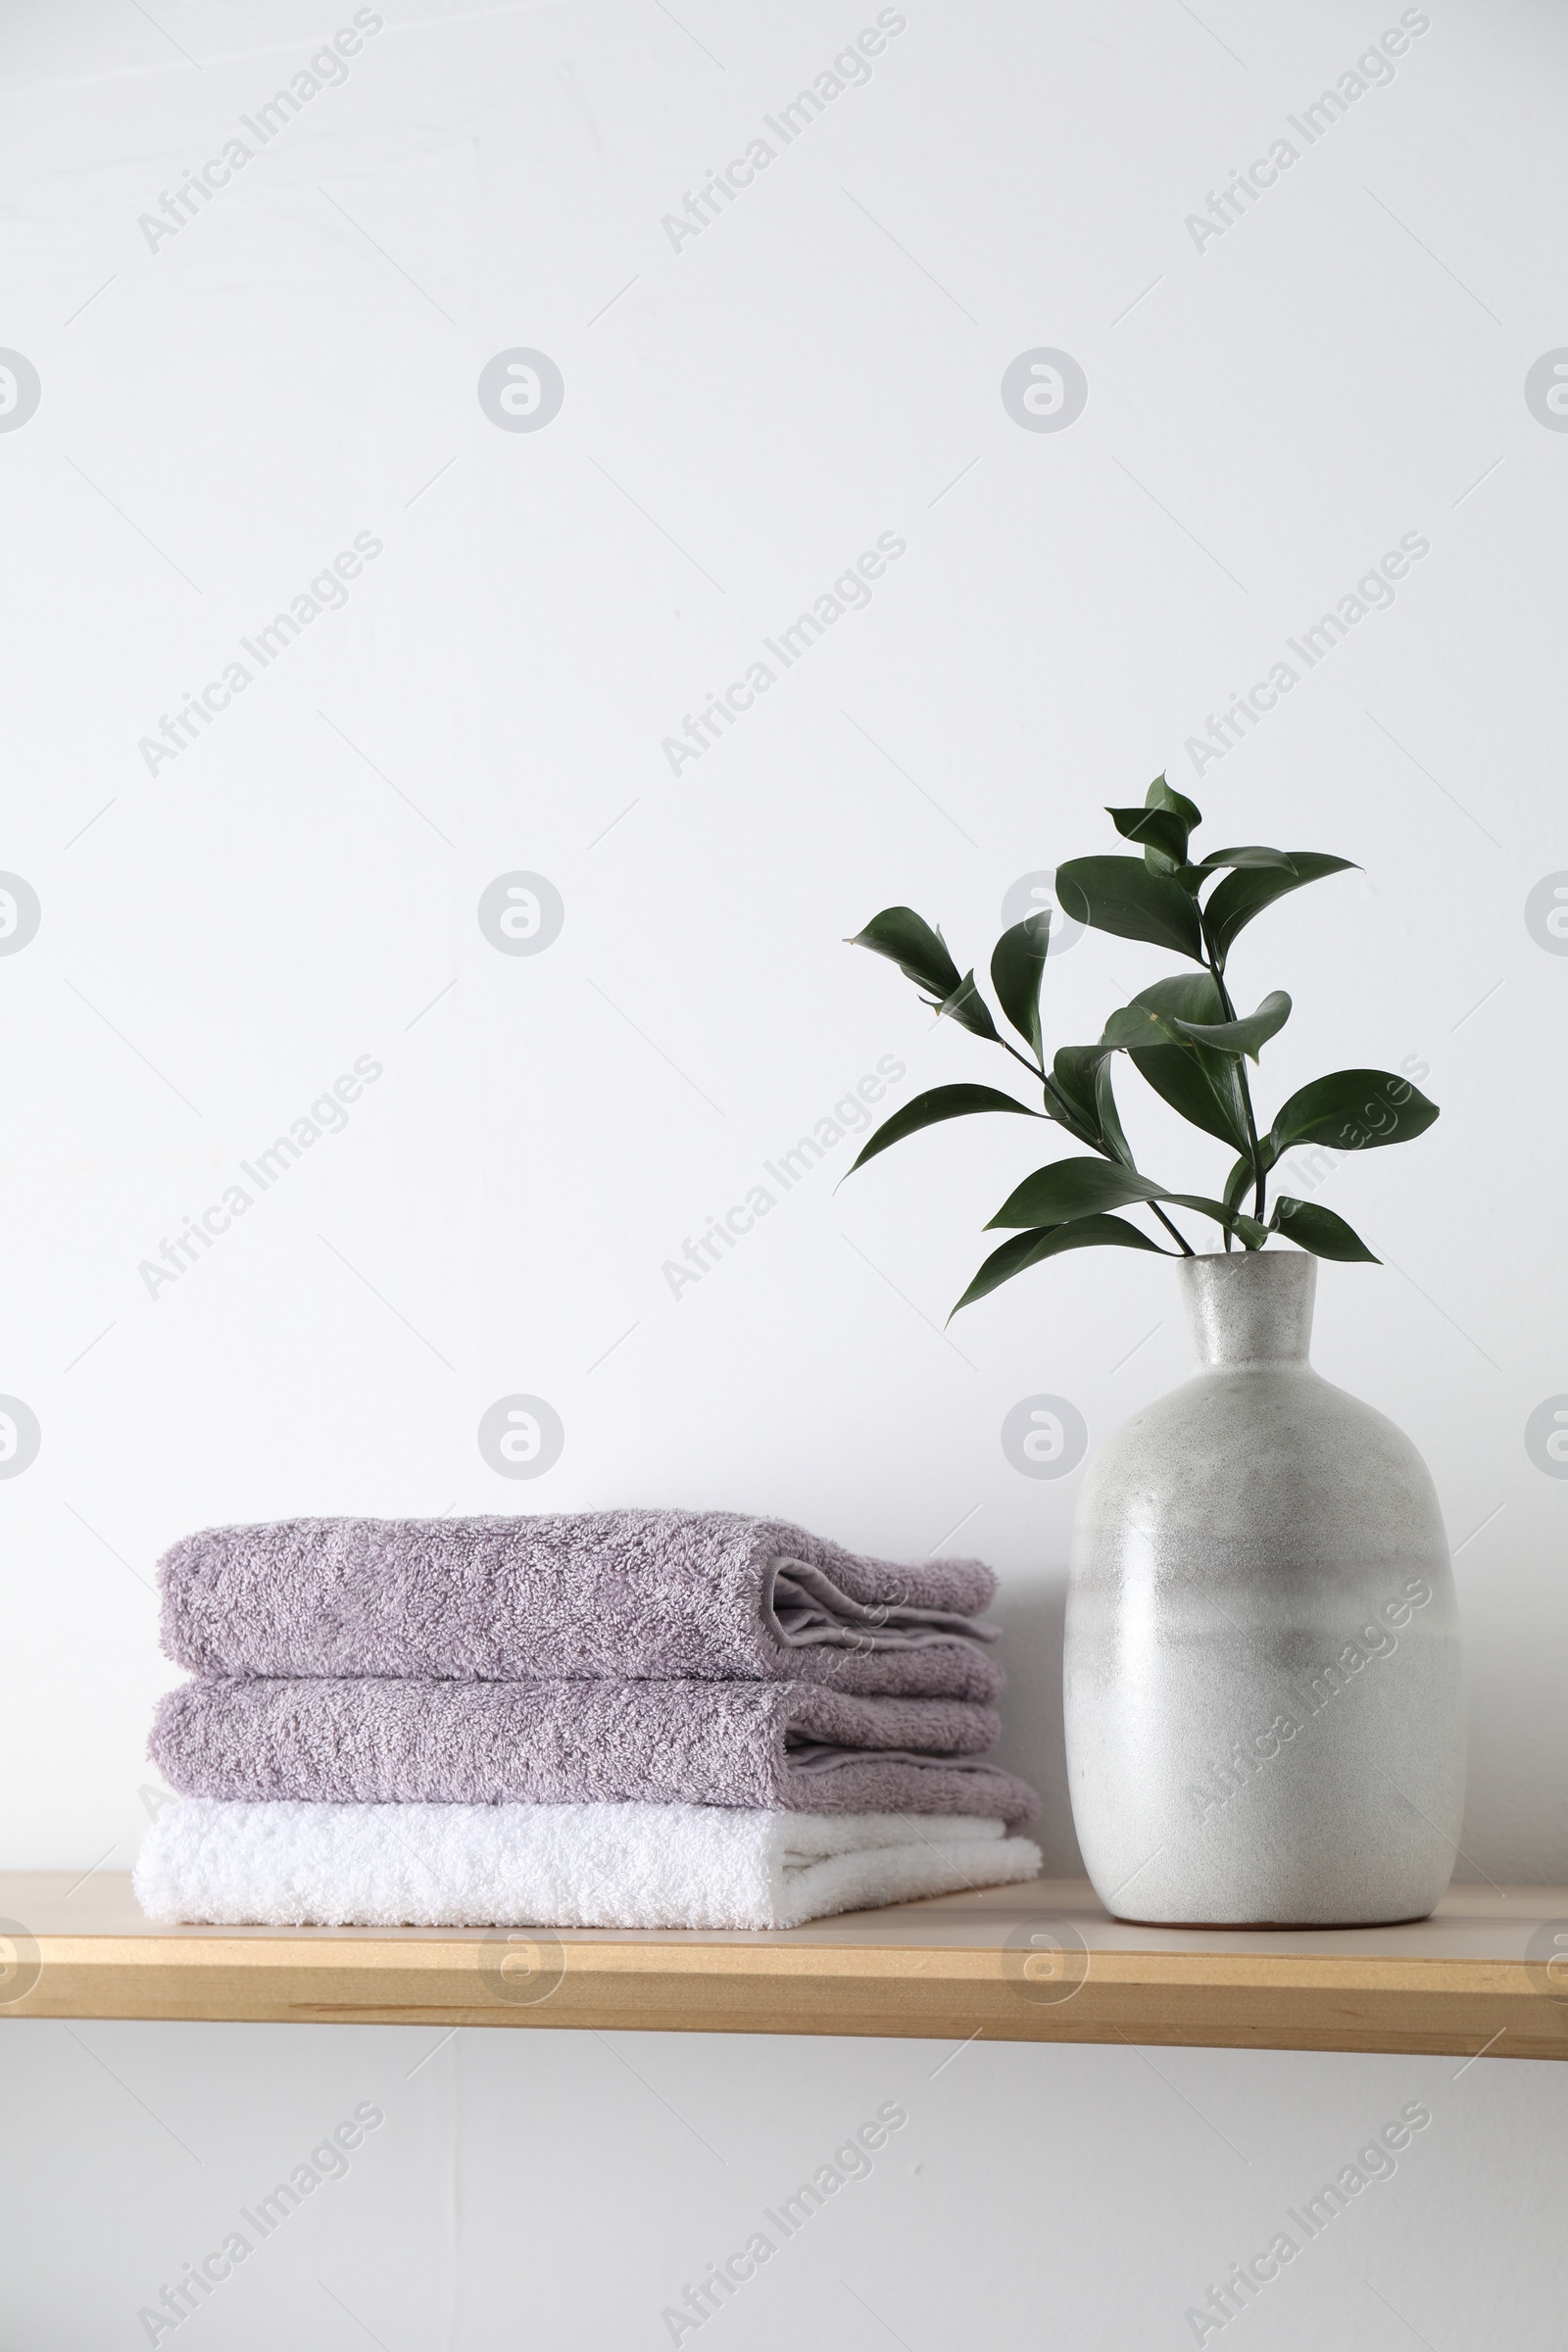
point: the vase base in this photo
(1273, 1927)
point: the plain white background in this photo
(223, 410)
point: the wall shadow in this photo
(1032, 1618)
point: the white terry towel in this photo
(285, 1864)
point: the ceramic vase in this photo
(1264, 1715)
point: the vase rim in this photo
(1222, 1257)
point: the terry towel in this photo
(784, 1746)
(635, 1594)
(566, 1866)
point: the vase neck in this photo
(1250, 1308)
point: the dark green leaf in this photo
(1177, 1076)
(1353, 1110)
(1121, 894)
(1160, 795)
(1017, 968)
(1028, 1248)
(1075, 1086)
(1165, 855)
(1251, 853)
(1076, 1188)
(1073, 1069)
(1133, 1026)
(1073, 1187)
(1320, 1230)
(1244, 1036)
(1223, 1213)
(968, 1008)
(1241, 1177)
(1153, 828)
(1195, 1081)
(940, 1102)
(1250, 889)
(919, 952)
(1110, 1118)
(1184, 997)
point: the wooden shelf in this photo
(1035, 1963)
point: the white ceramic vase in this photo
(1264, 1716)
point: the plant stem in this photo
(1036, 1069)
(1054, 1095)
(1175, 1231)
(1229, 1012)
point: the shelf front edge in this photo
(1214, 1999)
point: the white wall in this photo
(542, 2187)
(223, 410)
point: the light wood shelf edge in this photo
(1431, 2006)
(927, 1971)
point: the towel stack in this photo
(612, 1719)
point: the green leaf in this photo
(1075, 1086)
(1167, 854)
(1110, 1118)
(1354, 1110)
(1223, 1212)
(937, 1103)
(1073, 1069)
(968, 1008)
(1244, 1036)
(1176, 1075)
(1028, 1248)
(1194, 1080)
(1153, 828)
(920, 953)
(1073, 1187)
(1251, 853)
(1241, 1177)
(1160, 795)
(1017, 968)
(1183, 997)
(1320, 1230)
(1250, 889)
(1121, 894)
(1131, 1027)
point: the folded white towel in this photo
(292, 1865)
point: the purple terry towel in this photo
(793, 1747)
(623, 1596)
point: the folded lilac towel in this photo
(784, 1746)
(705, 1596)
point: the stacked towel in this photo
(471, 1689)
(565, 1866)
